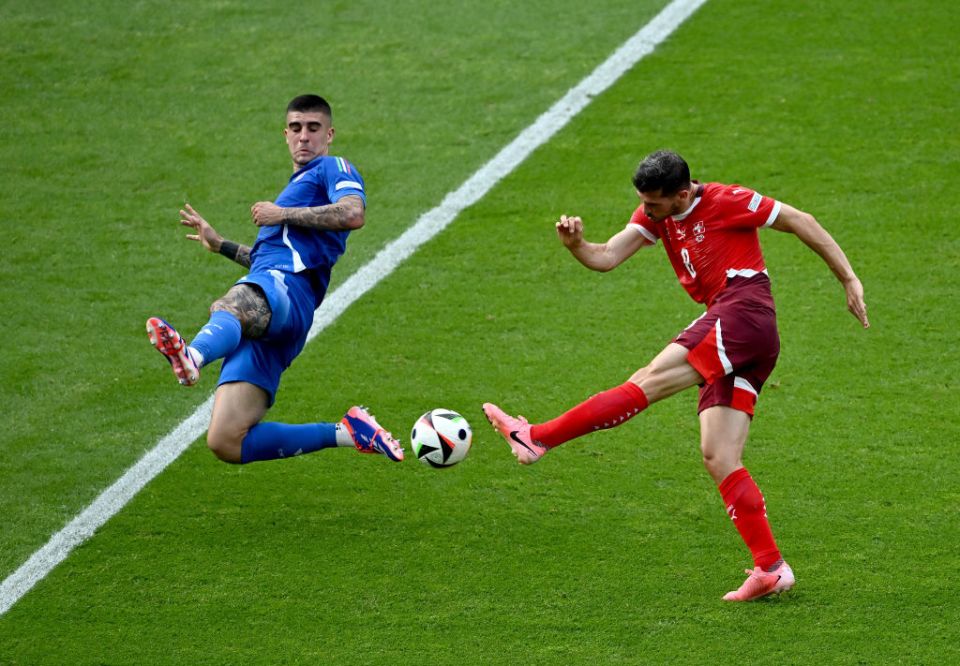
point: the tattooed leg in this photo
(249, 305)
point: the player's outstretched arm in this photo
(807, 229)
(347, 214)
(600, 257)
(208, 237)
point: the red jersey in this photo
(715, 239)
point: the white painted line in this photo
(508, 159)
(429, 225)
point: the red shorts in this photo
(734, 344)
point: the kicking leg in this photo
(666, 374)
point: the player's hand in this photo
(570, 231)
(855, 302)
(206, 235)
(266, 214)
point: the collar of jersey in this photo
(309, 165)
(682, 216)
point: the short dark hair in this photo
(663, 170)
(307, 103)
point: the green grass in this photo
(614, 549)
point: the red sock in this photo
(748, 511)
(604, 410)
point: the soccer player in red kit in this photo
(709, 232)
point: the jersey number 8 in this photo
(686, 262)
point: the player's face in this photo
(658, 207)
(308, 135)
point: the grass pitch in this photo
(615, 549)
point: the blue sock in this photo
(218, 337)
(269, 441)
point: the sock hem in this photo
(732, 479)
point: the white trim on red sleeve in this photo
(773, 214)
(643, 230)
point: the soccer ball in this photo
(441, 438)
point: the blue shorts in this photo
(292, 300)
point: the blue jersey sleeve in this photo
(342, 179)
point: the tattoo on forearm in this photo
(249, 305)
(236, 252)
(243, 256)
(332, 216)
(317, 217)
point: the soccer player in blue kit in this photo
(260, 325)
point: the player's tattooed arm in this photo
(235, 252)
(345, 214)
(248, 304)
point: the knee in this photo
(225, 446)
(717, 465)
(224, 304)
(709, 457)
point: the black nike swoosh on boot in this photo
(513, 436)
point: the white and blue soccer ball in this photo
(441, 438)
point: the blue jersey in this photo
(294, 249)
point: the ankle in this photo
(195, 356)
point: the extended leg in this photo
(667, 373)
(237, 434)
